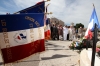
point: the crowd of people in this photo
(59, 32)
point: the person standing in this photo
(57, 32)
(54, 32)
(80, 32)
(65, 32)
(60, 31)
(51, 28)
(70, 33)
(74, 32)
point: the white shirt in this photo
(65, 30)
(70, 31)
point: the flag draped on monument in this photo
(93, 20)
(21, 35)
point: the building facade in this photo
(56, 21)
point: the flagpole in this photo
(93, 5)
(47, 0)
(94, 44)
(46, 10)
(46, 13)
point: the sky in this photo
(76, 11)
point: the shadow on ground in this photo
(50, 46)
(55, 56)
(1, 63)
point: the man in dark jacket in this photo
(51, 28)
(55, 32)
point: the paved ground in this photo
(57, 54)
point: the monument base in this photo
(85, 58)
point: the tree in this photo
(78, 25)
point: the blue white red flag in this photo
(21, 35)
(93, 20)
(47, 29)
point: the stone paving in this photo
(57, 54)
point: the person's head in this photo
(60, 25)
(53, 25)
(80, 27)
(66, 26)
(71, 26)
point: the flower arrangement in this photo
(72, 45)
(98, 50)
(77, 44)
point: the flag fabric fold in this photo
(93, 21)
(21, 35)
(37, 8)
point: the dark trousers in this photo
(55, 35)
(67, 36)
(51, 35)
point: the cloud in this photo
(26, 3)
(77, 11)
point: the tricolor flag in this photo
(47, 29)
(21, 35)
(93, 20)
(47, 25)
(37, 8)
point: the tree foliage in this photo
(78, 25)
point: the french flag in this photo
(93, 20)
(21, 35)
(47, 29)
